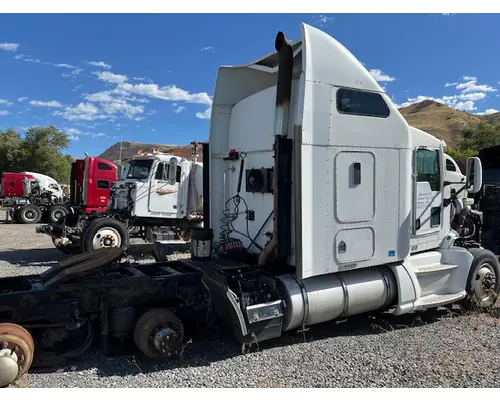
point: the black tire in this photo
(483, 258)
(28, 214)
(86, 242)
(55, 213)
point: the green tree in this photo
(10, 151)
(41, 150)
(474, 138)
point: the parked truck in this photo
(157, 194)
(30, 197)
(320, 203)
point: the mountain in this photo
(129, 149)
(493, 119)
(439, 120)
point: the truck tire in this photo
(105, 232)
(55, 213)
(483, 282)
(28, 214)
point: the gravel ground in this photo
(432, 349)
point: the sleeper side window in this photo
(358, 102)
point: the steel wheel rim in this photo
(56, 215)
(483, 285)
(106, 237)
(29, 215)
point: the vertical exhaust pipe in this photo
(279, 246)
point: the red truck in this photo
(90, 186)
(90, 183)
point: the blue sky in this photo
(150, 78)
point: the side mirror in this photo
(172, 171)
(474, 175)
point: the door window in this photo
(428, 168)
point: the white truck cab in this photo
(159, 185)
(48, 183)
(360, 200)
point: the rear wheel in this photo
(159, 333)
(56, 212)
(483, 282)
(103, 233)
(28, 214)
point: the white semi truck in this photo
(324, 203)
(157, 194)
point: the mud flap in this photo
(256, 323)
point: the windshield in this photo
(491, 176)
(137, 169)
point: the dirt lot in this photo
(431, 349)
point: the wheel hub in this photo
(108, 241)
(167, 341)
(107, 237)
(8, 367)
(16, 353)
(29, 214)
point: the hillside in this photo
(439, 120)
(493, 119)
(131, 148)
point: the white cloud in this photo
(379, 76)
(73, 137)
(488, 112)
(31, 60)
(322, 20)
(9, 46)
(205, 114)
(449, 14)
(465, 106)
(5, 102)
(206, 48)
(114, 105)
(21, 99)
(100, 64)
(472, 86)
(469, 93)
(122, 107)
(4, 112)
(63, 65)
(52, 103)
(124, 90)
(172, 93)
(77, 87)
(138, 78)
(73, 131)
(180, 109)
(110, 77)
(83, 111)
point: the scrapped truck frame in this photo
(320, 203)
(159, 195)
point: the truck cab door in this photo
(428, 199)
(164, 188)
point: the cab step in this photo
(436, 300)
(433, 268)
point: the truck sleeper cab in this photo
(360, 206)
